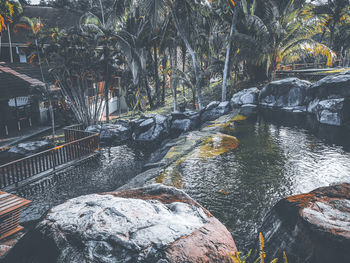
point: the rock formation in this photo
(151, 224)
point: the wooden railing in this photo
(75, 132)
(78, 144)
(291, 67)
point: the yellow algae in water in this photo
(239, 118)
(217, 144)
(223, 192)
(172, 175)
(160, 178)
(215, 125)
(229, 126)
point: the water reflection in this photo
(271, 161)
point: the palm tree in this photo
(34, 26)
(334, 14)
(135, 43)
(104, 21)
(228, 50)
(185, 28)
(76, 62)
(8, 10)
(281, 33)
(154, 12)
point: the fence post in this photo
(53, 160)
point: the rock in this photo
(312, 227)
(224, 107)
(212, 105)
(179, 126)
(296, 109)
(152, 129)
(111, 133)
(94, 128)
(151, 224)
(28, 148)
(246, 96)
(248, 110)
(214, 110)
(333, 111)
(289, 92)
(184, 121)
(331, 87)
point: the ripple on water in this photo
(113, 168)
(271, 162)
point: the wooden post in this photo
(53, 160)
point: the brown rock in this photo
(311, 227)
(151, 224)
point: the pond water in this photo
(273, 160)
(114, 167)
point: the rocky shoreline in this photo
(112, 227)
(328, 100)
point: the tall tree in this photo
(34, 27)
(9, 9)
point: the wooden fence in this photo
(291, 67)
(78, 143)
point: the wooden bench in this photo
(10, 211)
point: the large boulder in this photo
(246, 96)
(111, 133)
(333, 111)
(214, 110)
(184, 121)
(28, 148)
(312, 227)
(331, 87)
(152, 128)
(289, 92)
(150, 224)
(248, 110)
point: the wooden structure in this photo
(301, 66)
(78, 144)
(10, 209)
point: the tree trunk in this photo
(194, 61)
(156, 76)
(149, 95)
(106, 90)
(331, 40)
(10, 43)
(183, 49)
(46, 89)
(164, 61)
(227, 59)
(172, 82)
(175, 79)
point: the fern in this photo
(237, 257)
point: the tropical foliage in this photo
(159, 47)
(8, 10)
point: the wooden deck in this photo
(79, 144)
(10, 209)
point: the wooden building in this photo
(22, 103)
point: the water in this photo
(113, 168)
(273, 160)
